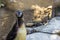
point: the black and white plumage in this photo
(17, 28)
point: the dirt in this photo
(7, 20)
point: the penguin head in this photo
(19, 13)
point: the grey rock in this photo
(42, 36)
(52, 27)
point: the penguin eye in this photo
(19, 13)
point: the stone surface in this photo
(52, 27)
(42, 36)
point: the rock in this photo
(29, 30)
(42, 36)
(51, 27)
(41, 14)
(29, 24)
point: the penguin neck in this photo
(20, 22)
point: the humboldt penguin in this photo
(18, 31)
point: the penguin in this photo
(18, 31)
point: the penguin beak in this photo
(19, 13)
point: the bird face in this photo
(19, 13)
